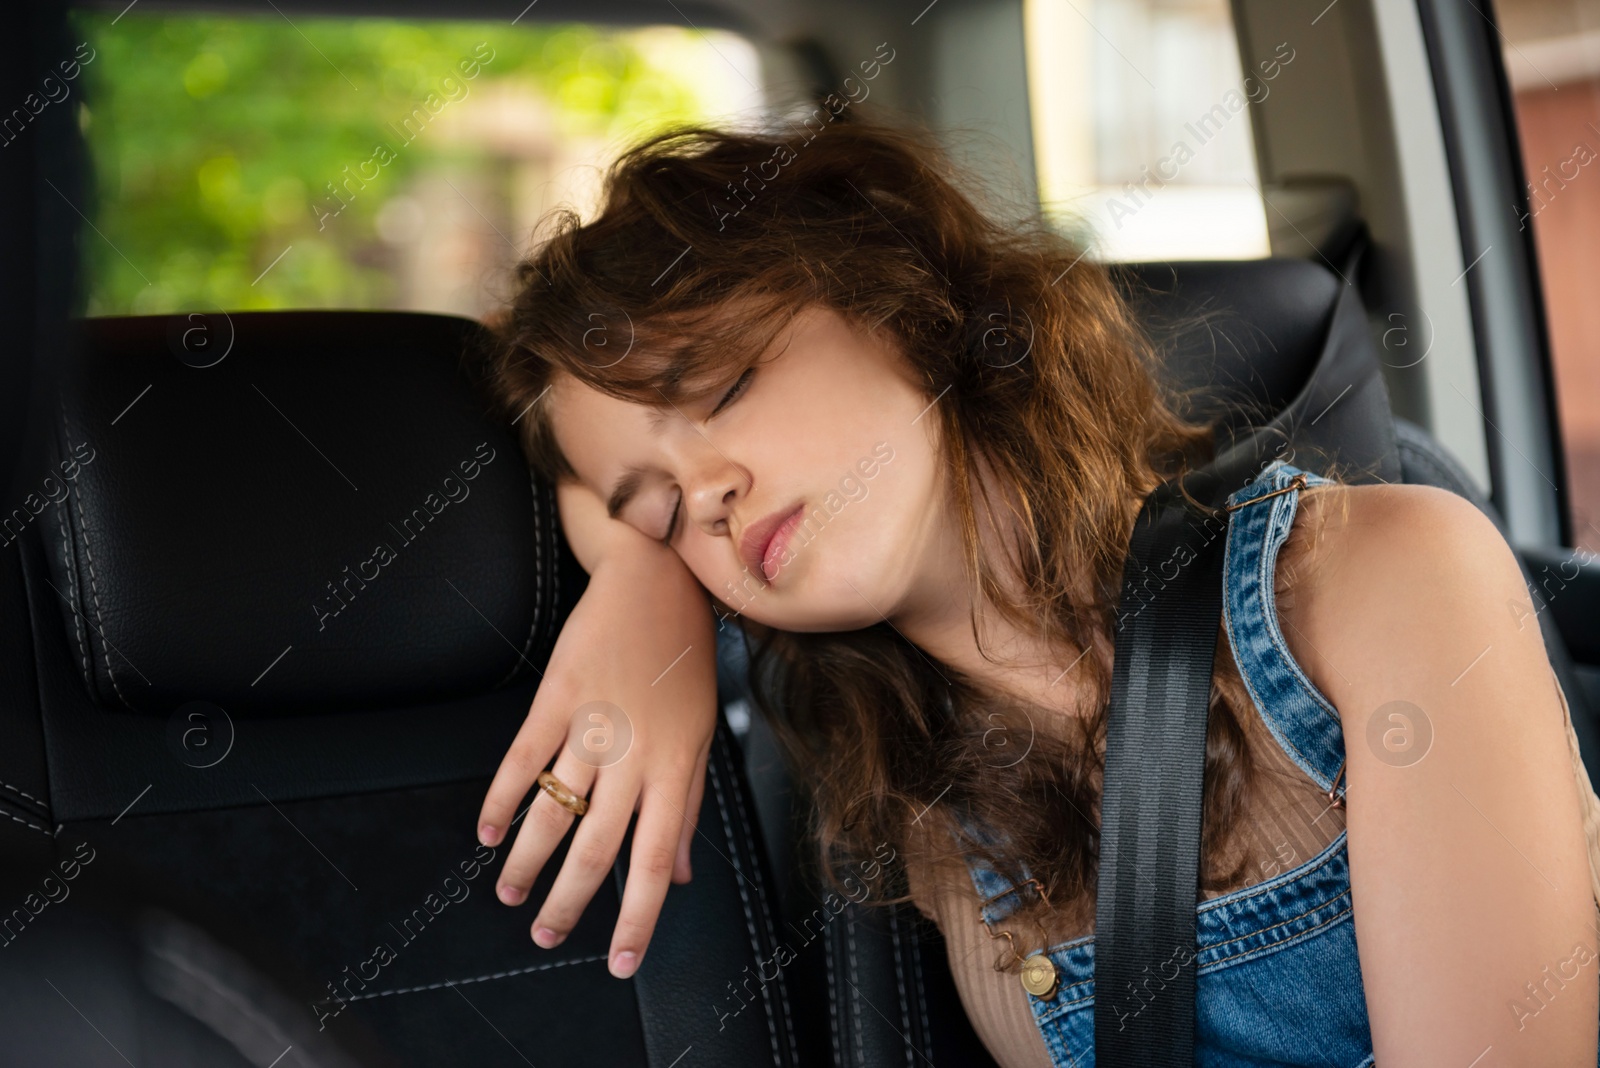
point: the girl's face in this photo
(806, 495)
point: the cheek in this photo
(709, 567)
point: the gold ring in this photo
(562, 794)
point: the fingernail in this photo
(511, 895)
(623, 964)
(488, 835)
(546, 938)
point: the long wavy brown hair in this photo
(1030, 358)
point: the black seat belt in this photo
(1149, 846)
(1166, 638)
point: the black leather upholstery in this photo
(192, 554)
(320, 803)
(1247, 332)
(314, 483)
(1281, 349)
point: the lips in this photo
(757, 540)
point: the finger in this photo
(650, 869)
(681, 870)
(543, 827)
(530, 752)
(589, 859)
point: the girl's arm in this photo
(1469, 869)
(631, 689)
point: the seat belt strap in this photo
(1148, 883)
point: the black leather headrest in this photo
(1283, 353)
(1252, 329)
(292, 511)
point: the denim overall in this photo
(1277, 979)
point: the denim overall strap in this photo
(998, 898)
(1297, 713)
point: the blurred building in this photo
(1552, 55)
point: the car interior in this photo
(241, 833)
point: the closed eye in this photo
(734, 390)
(672, 522)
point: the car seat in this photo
(261, 658)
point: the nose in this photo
(711, 490)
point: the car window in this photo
(1141, 124)
(1552, 58)
(283, 160)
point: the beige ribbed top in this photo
(1291, 822)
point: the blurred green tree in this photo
(218, 142)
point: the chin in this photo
(812, 600)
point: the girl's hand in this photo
(631, 689)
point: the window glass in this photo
(1552, 56)
(283, 160)
(1141, 120)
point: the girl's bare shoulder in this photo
(1371, 575)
